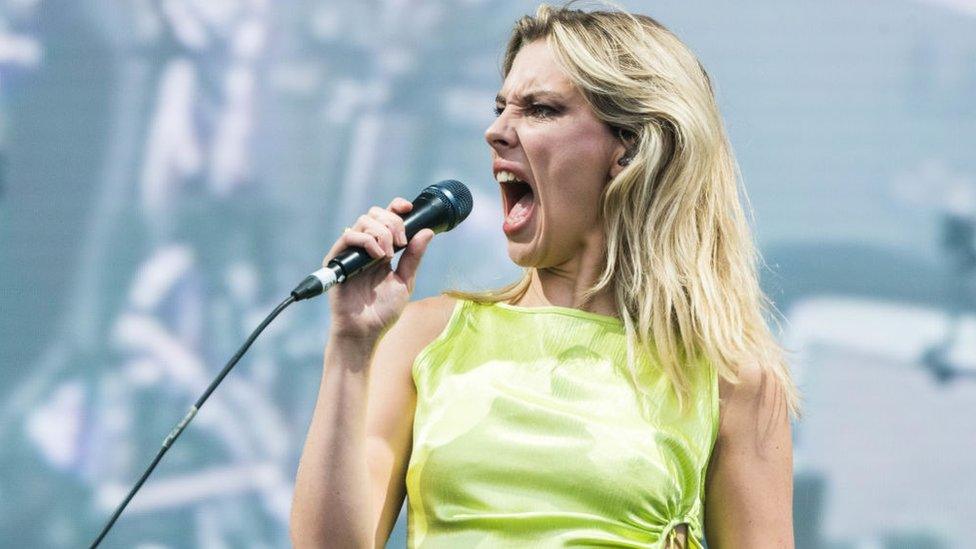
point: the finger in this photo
(362, 240)
(410, 260)
(400, 205)
(355, 238)
(380, 231)
(393, 222)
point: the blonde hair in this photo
(680, 261)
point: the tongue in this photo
(522, 208)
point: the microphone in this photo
(439, 207)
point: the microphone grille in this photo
(458, 196)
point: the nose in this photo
(500, 134)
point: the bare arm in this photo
(749, 486)
(350, 483)
(330, 504)
(346, 487)
(389, 420)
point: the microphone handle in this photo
(427, 212)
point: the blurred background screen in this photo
(170, 169)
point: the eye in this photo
(539, 110)
(535, 110)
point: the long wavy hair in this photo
(680, 258)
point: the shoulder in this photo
(753, 406)
(422, 321)
(751, 377)
(431, 314)
(419, 324)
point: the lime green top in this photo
(529, 432)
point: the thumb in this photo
(410, 259)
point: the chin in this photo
(517, 258)
(524, 247)
(521, 254)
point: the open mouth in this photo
(519, 201)
(517, 195)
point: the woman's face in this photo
(547, 137)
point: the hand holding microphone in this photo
(365, 307)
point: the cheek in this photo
(571, 170)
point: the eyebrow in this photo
(530, 97)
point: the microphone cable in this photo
(172, 436)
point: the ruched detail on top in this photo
(528, 431)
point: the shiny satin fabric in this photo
(528, 432)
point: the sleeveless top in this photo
(528, 432)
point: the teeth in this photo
(504, 177)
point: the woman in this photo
(626, 391)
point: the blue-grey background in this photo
(169, 169)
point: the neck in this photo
(563, 286)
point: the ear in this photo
(623, 152)
(620, 160)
